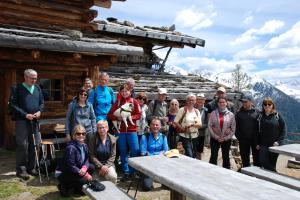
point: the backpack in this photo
(12, 98)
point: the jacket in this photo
(228, 128)
(246, 124)
(135, 114)
(26, 103)
(271, 129)
(84, 116)
(151, 146)
(92, 145)
(72, 160)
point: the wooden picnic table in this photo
(200, 180)
(292, 150)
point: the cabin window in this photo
(51, 88)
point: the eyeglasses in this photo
(80, 133)
(268, 104)
(83, 94)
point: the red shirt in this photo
(221, 120)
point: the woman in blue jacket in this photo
(74, 170)
(153, 143)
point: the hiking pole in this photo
(35, 151)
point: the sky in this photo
(262, 36)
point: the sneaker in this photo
(64, 192)
(33, 172)
(23, 175)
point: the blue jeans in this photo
(126, 140)
(190, 146)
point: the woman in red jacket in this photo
(128, 134)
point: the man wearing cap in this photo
(158, 108)
(247, 131)
(200, 101)
(221, 92)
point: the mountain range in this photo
(286, 96)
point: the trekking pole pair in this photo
(34, 132)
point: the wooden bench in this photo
(273, 177)
(111, 192)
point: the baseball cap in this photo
(246, 98)
(173, 153)
(221, 89)
(200, 96)
(162, 91)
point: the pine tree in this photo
(240, 80)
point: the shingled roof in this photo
(178, 86)
(64, 42)
(164, 36)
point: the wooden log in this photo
(44, 4)
(56, 58)
(37, 10)
(38, 67)
(45, 19)
(102, 3)
(35, 54)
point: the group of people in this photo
(94, 143)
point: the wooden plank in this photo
(273, 177)
(200, 180)
(289, 149)
(111, 192)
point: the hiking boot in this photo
(23, 175)
(64, 192)
(125, 178)
(33, 172)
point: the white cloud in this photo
(248, 20)
(195, 18)
(282, 49)
(269, 27)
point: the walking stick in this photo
(36, 152)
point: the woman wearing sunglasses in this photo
(80, 111)
(271, 132)
(74, 169)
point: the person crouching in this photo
(74, 169)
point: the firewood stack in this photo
(51, 14)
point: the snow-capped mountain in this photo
(291, 88)
(283, 94)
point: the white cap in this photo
(222, 89)
(162, 91)
(200, 96)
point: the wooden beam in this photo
(103, 3)
(93, 74)
(44, 4)
(10, 78)
(56, 58)
(12, 17)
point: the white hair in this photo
(28, 72)
(103, 74)
(190, 95)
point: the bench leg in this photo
(176, 195)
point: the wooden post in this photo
(176, 195)
(10, 78)
(94, 74)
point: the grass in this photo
(8, 189)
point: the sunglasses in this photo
(142, 98)
(268, 104)
(80, 133)
(83, 94)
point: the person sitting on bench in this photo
(102, 149)
(152, 143)
(74, 169)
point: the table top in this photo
(289, 149)
(200, 180)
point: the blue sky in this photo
(262, 36)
